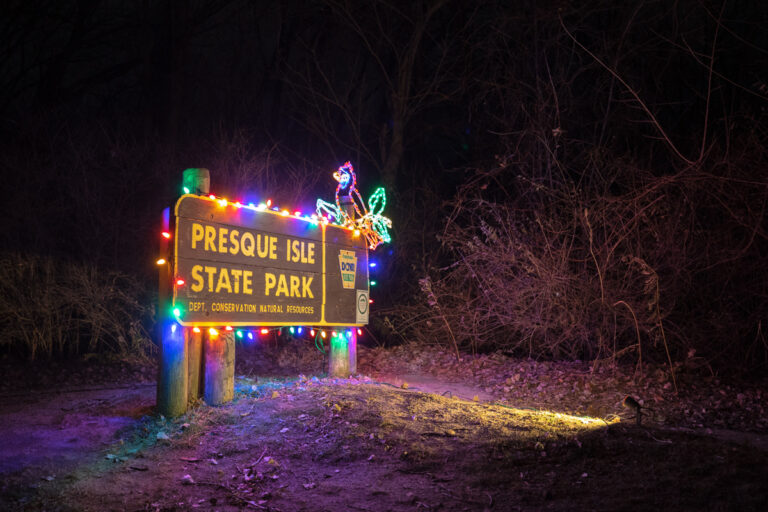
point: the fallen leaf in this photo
(275, 394)
(310, 485)
(187, 480)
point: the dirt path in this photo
(46, 435)
(422, 382)
(424, 433)
(318, 444)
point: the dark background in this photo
(566, 179)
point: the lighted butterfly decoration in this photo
(369, 221)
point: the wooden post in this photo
(194, 364)
(172, 384)
(174, 388)
(352, 350)
(216, 353)
(219, 379)
(338, 356)
(172, 378)
(196, 181)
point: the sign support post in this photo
(338, 356)
(172, 384)
(195, 363)
(352, 351)
(219, 378)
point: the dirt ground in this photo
(416, 430)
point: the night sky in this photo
(638, 130)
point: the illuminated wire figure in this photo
(347, 187)
(369, 221)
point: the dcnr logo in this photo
(347, 265)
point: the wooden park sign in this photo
(252, 266)
(227, 265)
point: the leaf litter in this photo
(550, 437)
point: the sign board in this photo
(244, 266)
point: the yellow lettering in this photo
(311, 254)
(248, 249)
(282, 286)
(210, 238)
(247, 282)
(269, 282)
(306, 283)
(288, 250)
(198, 279)
(223, 281)
(272, 248)
(236, 274)
(263, 250)
(210, 271)
(294, 286)
(197, 234)
(234, 241)
(223, 239)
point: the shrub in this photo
(50, 309)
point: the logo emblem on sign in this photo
(361, 315)
(348, 266)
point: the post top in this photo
(197, 180)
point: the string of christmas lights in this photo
(251, 334)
